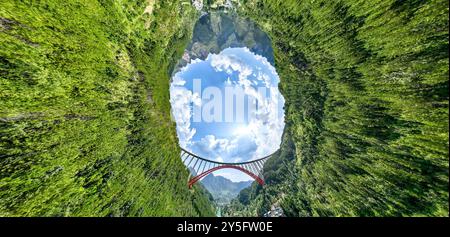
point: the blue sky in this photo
(228, 108)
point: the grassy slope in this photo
(366, 89)
(85, 127)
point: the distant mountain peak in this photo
(223, 189)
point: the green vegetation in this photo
(85, 126)
(366, 89)
(217, 31)
(222, 189)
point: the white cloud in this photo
(215, 144)
(263, 132)
(228, 149)
(266, 124)
(237, 160)
(178, 81)
(219, 159)
(229, 63)
(181, 99)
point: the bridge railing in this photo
(224, 163)
(253, 168)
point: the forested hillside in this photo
(222, 189)
(366, 89)
(85, 126)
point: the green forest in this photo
(366, 89)
(84, 109)
(86, 128)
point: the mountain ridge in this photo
(222, 189)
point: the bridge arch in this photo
(193, 180)
(201, 167)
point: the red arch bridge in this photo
(201, 167)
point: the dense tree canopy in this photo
(85, 126)
(366, 89)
